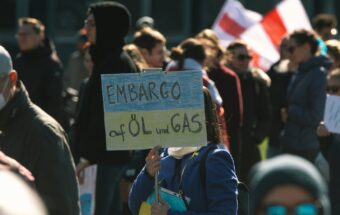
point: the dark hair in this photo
(324, 21)
(212, 125)
(236, 44)
(303, 36)
(36, 24)
(148, 38)
(189, 48)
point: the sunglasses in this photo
(301, 209)
(244, 57)
(332, 89)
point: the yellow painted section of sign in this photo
(143, 130)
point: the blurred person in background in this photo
(229, 87)
(305, 96)
(37, 141)
(16, 198)
(107, 24)
(145, 22)
(152, 46)
(75, 71)
(330, 144)
(256, 102)
(39, 67)
(286, 185)
(280, 74)
(325, 26)
(333, 51)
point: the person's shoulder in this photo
(44, 126)
(260, 76)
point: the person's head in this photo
(8, 78)
(151, 44)
(333, 52)
(135, 54)
(215, 52)
(333, 82)
(107, 23)
(145, 22)
(325, 25)
(31, 33)
(288, 184)
(284, 53)
(189, 48)
(302, 45)
(17, 198)
(239, 55)
(212, 125)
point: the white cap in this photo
(5, 61)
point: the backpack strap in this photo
(202, 164)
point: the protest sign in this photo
(332, 114)
(143, 110)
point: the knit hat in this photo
(5, 61)
(284, 170)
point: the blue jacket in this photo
(219, 196)
(306, 98)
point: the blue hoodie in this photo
(306, 98)
(219, 196)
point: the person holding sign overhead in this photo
(330, 144)
(193, 180)
(107, 24)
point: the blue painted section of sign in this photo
(152, 91)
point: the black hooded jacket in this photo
(112, 25)
(41, 71)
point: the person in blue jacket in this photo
(180, 171)
(305, 96)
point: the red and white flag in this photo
(264, 35)
(233, 20)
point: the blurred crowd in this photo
(52, 123)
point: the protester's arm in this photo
(140, 191)
(143, 185)
(55, 174)
(311, 115)
(221, 186)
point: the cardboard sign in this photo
(143, 110)
(332, 114)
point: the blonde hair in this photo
(135, 54)
(37, 25)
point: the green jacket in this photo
(38, 142)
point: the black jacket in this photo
(38, 142)
(109, 58)
(41, 71)
(278, 94)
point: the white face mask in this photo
(3, 101)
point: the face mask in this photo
(2, 97)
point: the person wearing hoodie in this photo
(256, 103)
(305, 96)
(286, 185)
(207, 192)
(107, 24)
(39, 67)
